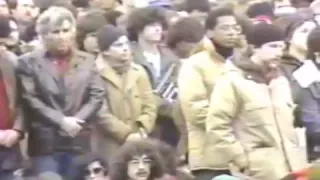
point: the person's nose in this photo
(141, 165)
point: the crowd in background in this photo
(159, 89)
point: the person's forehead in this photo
(120, 40)
(226, 20)
(94, 164)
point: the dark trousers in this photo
(10, 161)
(209, 174)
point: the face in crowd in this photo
(269, 55)
(226, 31)
(4, 9)
(139, 167)
(26, 11)
(299, 36)
(120, 50)
(153, 32)
(95, 171)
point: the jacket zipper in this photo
(279, 130)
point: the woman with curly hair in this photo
(136, 160)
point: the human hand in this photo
(134, 137)
(241, 162)
(71, 125)
(11, 138)
(2, 137)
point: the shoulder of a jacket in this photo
(84, 55)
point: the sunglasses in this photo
(94, 171)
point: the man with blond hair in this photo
(62, 91)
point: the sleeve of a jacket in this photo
(96, 94)
(111, 125)
(224, 105)
(148, 114)
(193, 95)
(29, 93)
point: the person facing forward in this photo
(63, 91)
(131, 106)
(250, 120)
(136, 160)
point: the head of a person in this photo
(222, 27)
(5, 31)
(4, 8)
(87, 26)
(137, 161)
(146, 24)
(297, 29)
(25, 11)
(91, 167)
(198, 9)
(313, 44)
(268, 44)
(184, 42)
(57, 29)
(259, 11)
(113, 43)
(168, 156)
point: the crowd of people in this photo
(159, 89)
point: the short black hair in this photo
(313, 42)
(197, 5)
(142, 17)
(83, 161)
(214, 14)
(186, 29)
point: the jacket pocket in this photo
(257, 113)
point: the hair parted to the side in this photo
(54, 16)
(142, 17)
(118, 166)
(193, 32)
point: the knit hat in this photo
(107, 35)
(5, 29)
(160, 3)
(262, 33)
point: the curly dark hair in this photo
(142, 17)
(118, 167)
(168, 156)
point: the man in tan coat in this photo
(130, 111)
(196, 82)
(250, 120)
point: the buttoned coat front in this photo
(50, 97)
(130, 103)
